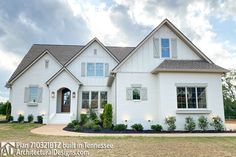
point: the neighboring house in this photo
(165, 74)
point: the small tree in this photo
(8, 111)
(189, 124)
(170, 121)
(30, 118)
(217, 123)
(203, 123)
(107, 116)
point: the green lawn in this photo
(2, 117)
(133, 146)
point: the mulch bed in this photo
(129, 131)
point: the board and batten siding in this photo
(88, 56)
(145, 59)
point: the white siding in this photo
(36, 75)
(143, 61)
(88, 57)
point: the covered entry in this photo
(63, 100)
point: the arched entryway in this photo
(63, 100)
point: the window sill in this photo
(32, 104)
(193, 111)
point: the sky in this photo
(210, 25)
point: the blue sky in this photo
(211, 25)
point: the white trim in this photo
(37, 59)
(86, 46)
(193, 111)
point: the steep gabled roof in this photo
(59, 72)
(188, 66)
(63, 54)
(177, 32)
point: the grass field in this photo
(132, 146)
(2, 117)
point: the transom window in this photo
(165, 48)
(33, 94)
(94, 99)
(136, 93)
(191, 97)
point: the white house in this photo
(165, 74)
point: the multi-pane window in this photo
(99, 69)
(94, 99)
(165, 48)
(85, 99)
(181, 97)
(136, 93)
(90, 69)
(33, 94)
(103, 98)
(191, 97)
(201, 97)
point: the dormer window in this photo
(165, 48)
(46, 64)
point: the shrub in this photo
(157, 128)
(75, 122)
(92, 114)
(70, 125)
(83, 118)
(120, 127)
(96, 127)
(77, 128)
(3, 107)
(89, 124)
(40, 119)
(101, 117)
(30, 118)
(203, 123)
(107, 116)
(10, 119)
(189, 124)
(217, 123)
(170, 121)
(8, 110)
(137, 127)
(21, 118)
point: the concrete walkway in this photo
(57, 130)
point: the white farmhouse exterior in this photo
(164, 75)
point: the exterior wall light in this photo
(73, 95)
(126, 120)
(149, 120)
(53, 94)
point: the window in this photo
(96, 69)
(181, 97)
(99, 69)
(46, 63)
(33, 94)
(103, 99)
(165, 48)
(201, 97)
(85, 99)
(191, 97)
(136, 93)
(94, 99)
(90, 69)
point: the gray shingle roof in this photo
(188, 66)
(63, 53)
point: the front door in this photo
(66, 99)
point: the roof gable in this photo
(173, 29)
(62, 53)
